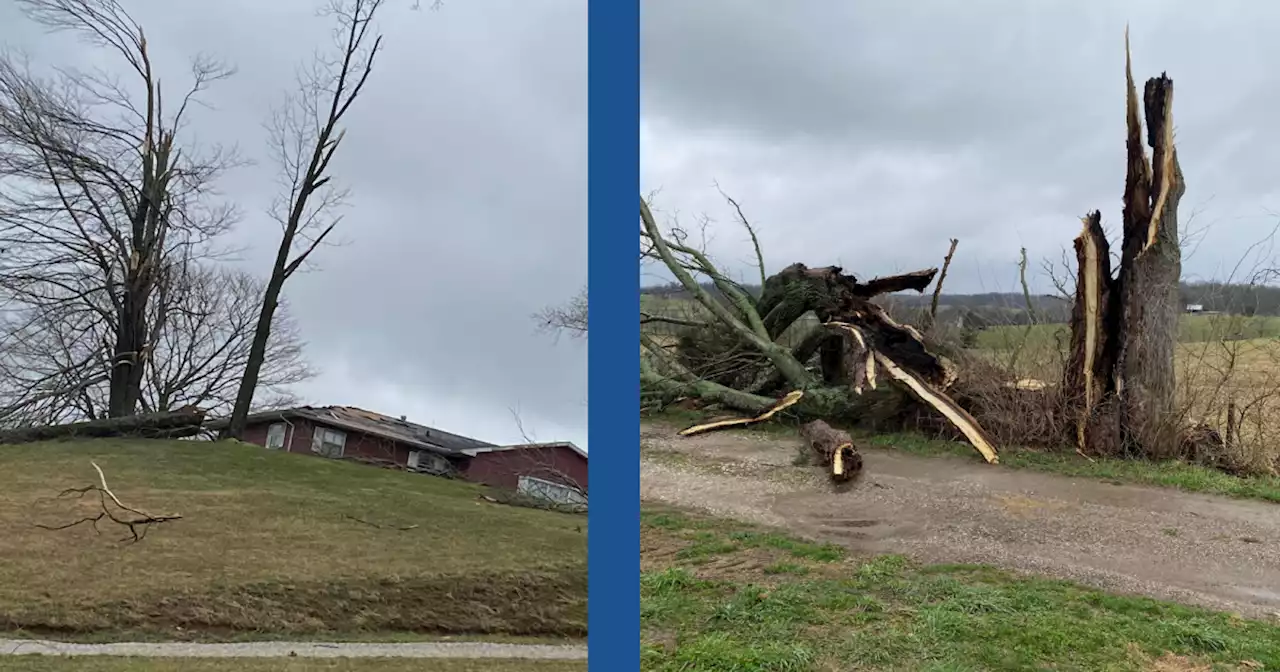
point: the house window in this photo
(275, 436)
(555, 492)
(428, 462)
(328, 442)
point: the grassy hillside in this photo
(266, 546)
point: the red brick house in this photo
(556, 470)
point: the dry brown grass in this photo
(107, 664)
(1215, 377)
(265, 546)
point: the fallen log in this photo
(169, 425)
(833, 448)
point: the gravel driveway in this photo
(1199, 549)
(464, 650)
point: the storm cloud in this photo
(466, 160)
(867, 134)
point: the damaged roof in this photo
(376, 424)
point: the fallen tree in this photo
(737, 341)
(171, 425)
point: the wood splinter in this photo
(782, 404)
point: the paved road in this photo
(465, 650)
(1212, 551)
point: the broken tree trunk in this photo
(1124, 328)
(833, 449)
(174, 424)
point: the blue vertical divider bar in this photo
(614, 306)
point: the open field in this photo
(1224, 363)
(1192, 329)
(105, 664)
(721, 595)
(1180, 475)
(267, 548)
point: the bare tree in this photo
(53, 368)
(97, 194)
(569, 317)
(305, 135)
(202, 351)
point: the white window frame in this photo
(550, 490)
(428, 461)
(272, 434)
(323, 436)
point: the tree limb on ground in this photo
(138, 523)
(833, 449)
(380, 526)
(170, 425)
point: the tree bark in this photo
(257, 351)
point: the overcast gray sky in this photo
(467, 161)
(868, 133)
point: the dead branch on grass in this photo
(138, 524)
(380, 526)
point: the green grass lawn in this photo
(112, 664)
(1180, 475)
(717, 595)
(266, 547)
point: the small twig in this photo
(404, 528)
(755, 242)
(937, 288)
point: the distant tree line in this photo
(1008, 308)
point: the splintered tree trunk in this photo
(130, 350)
(1124, 329)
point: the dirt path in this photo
(464, 650)
(1216, 552)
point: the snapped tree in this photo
(1120, 378)
(99, 195)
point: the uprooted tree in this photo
(732, 356)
